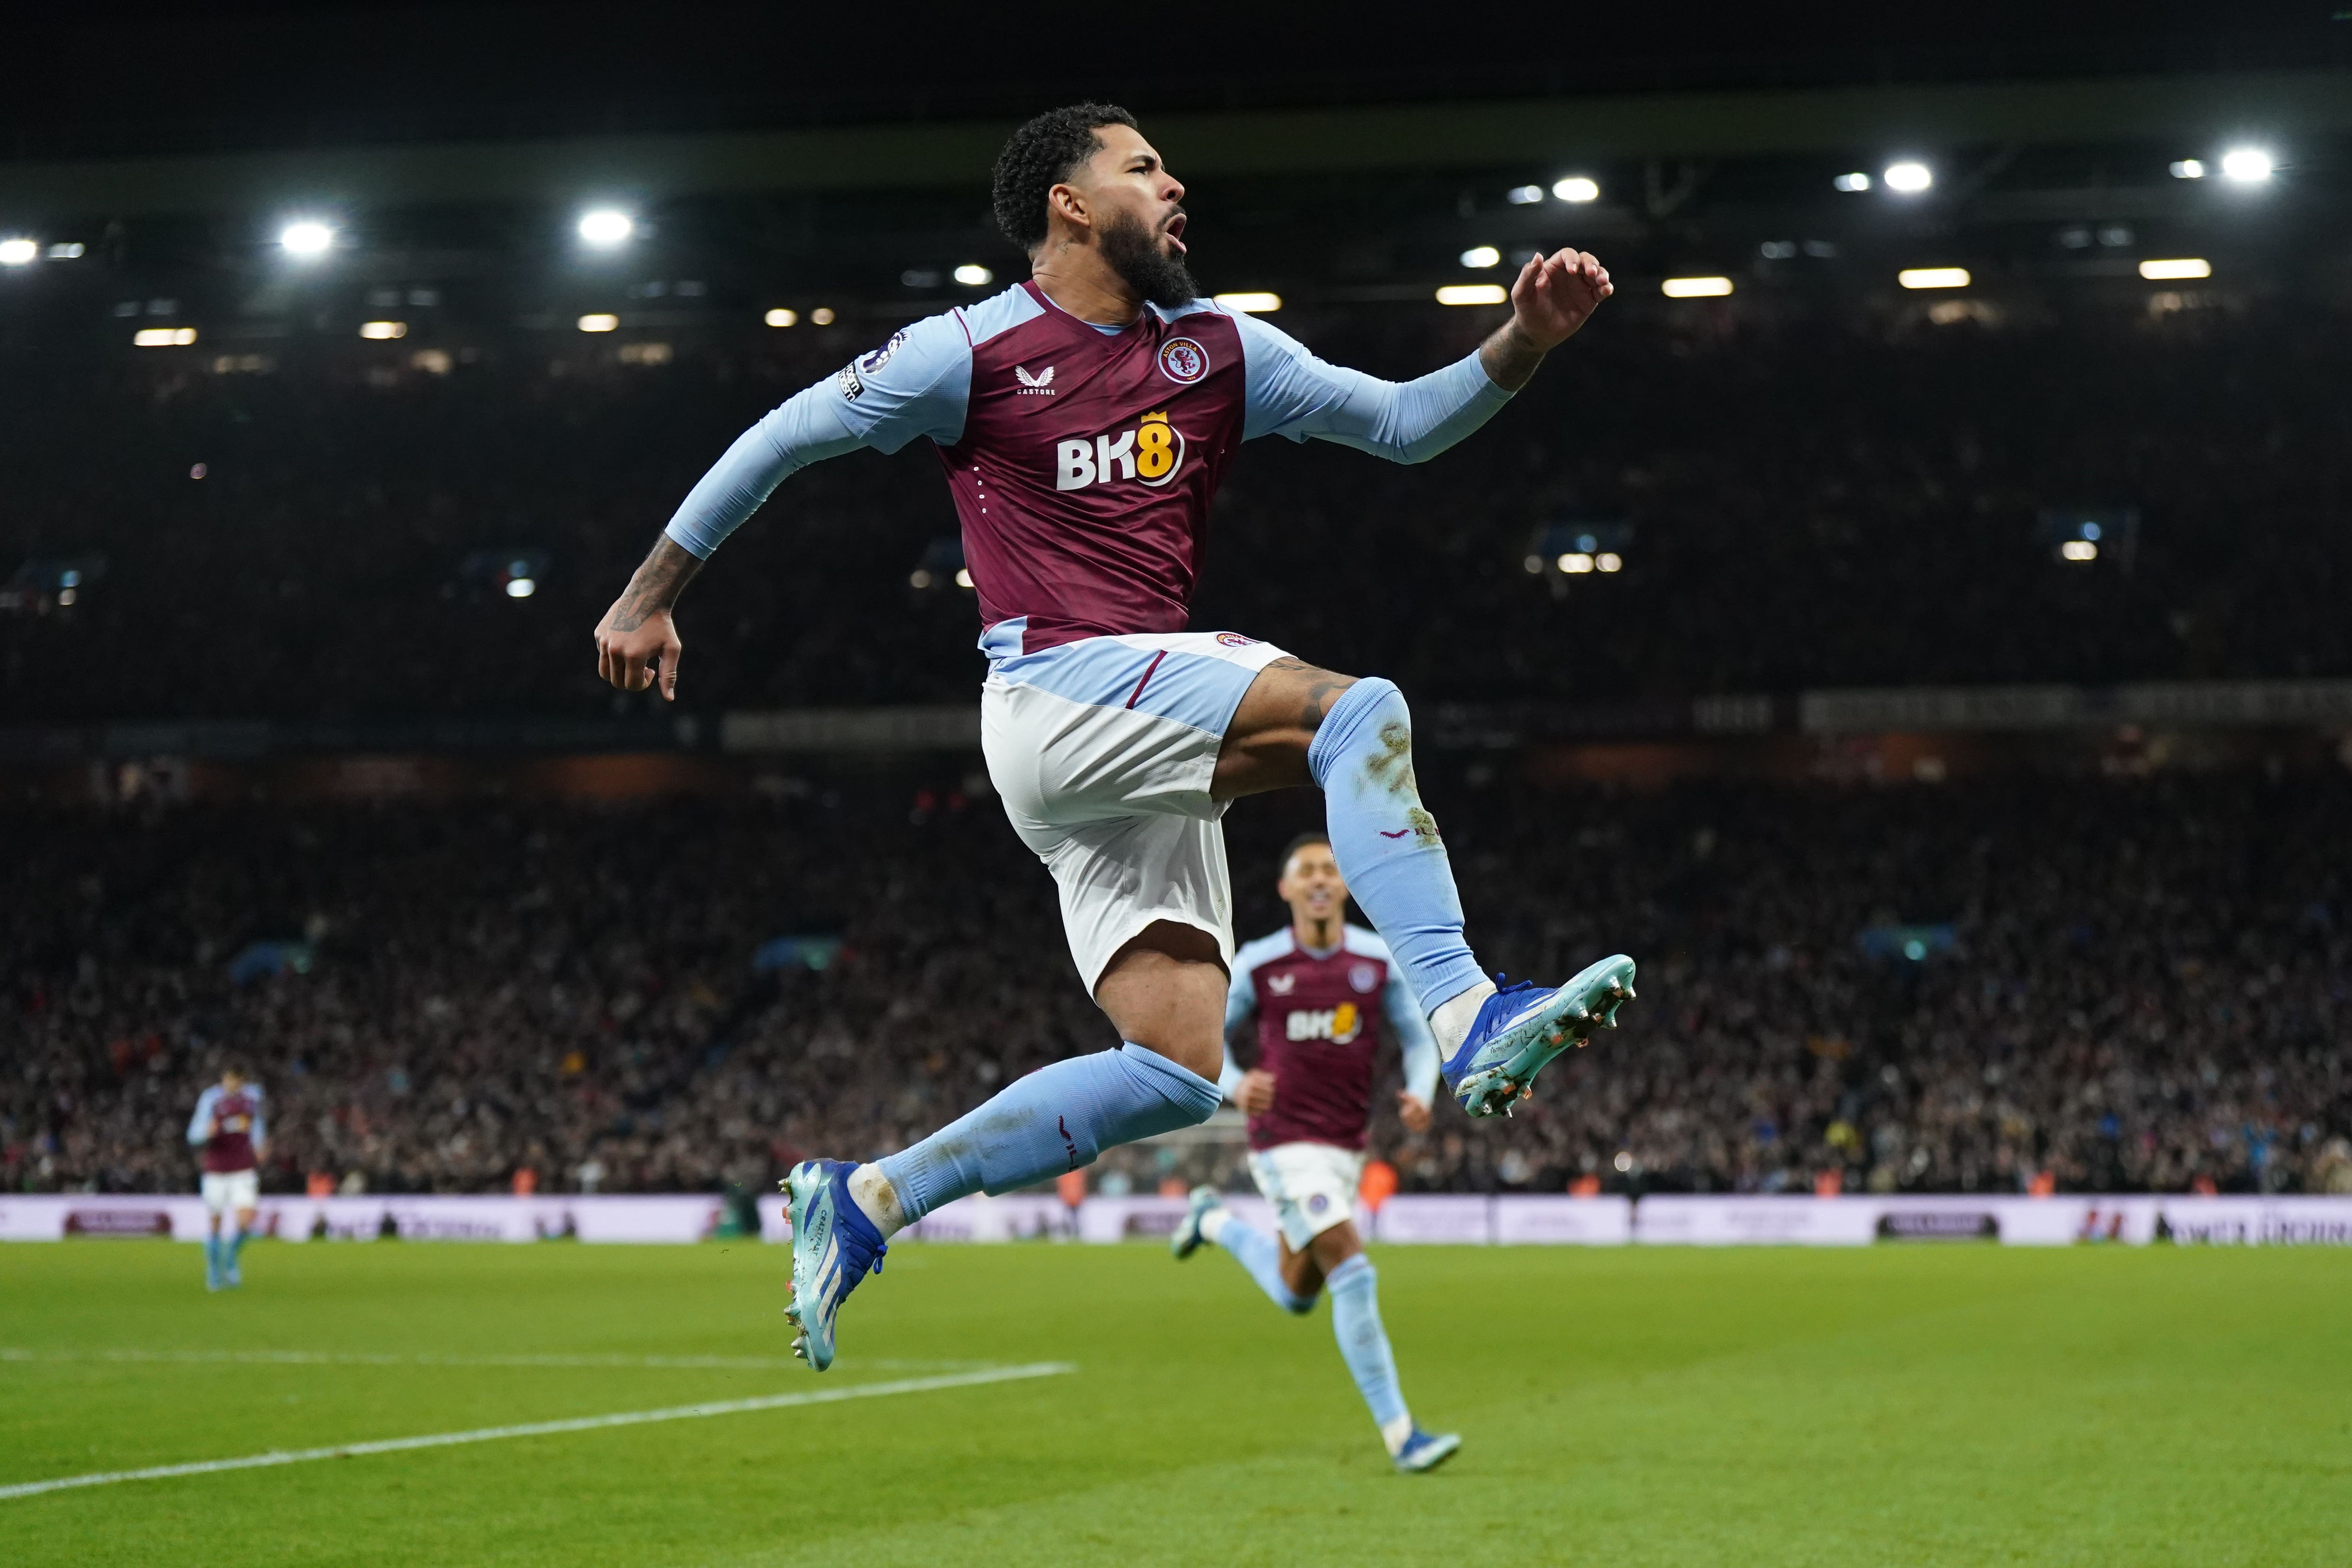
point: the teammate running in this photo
(228, 1127)
(1306, 993)
(1084, 418)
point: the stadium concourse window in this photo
(1945, 987)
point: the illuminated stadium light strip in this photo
(305, 238)
(2179, 267)
(1481, 256)
(1253, 302)
(599, 321)
(1693, 288)
(164, 337)
(1474, 293)
(17, 252)
(1933, 277)
(1909, 177)
(2246, 166)
(2188, 168)
(383, 331)
(548, 1429)
(971, 275)
(780, 317)
(605, 227)
(1577, 188)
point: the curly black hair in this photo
(1039, 156)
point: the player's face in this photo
(1311, 884)
(1125, 181)
(232, 1081)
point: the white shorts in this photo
(1103, 750)
(1312, 1187)
(226, 1190)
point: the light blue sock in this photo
(1355, 1288)
(1254, 1250)
(1053, 1120)
(236, 1245)
(212, 1254)
(1387, 843)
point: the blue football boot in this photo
(1424, 1451)
(1518, 1031)
(1187, 1238)
(833, 1247)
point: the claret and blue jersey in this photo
(1082, 459)
(1318, 1018)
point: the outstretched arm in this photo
(1291, 393)
(916, 384)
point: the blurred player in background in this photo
(1307, 992)
(228, 1127)
(1083, 419)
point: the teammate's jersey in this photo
(1320, 1019)
(227, 1126)
(1083, 460)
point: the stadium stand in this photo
(2118, 984)
(1814, 499)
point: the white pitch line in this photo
(390, 1358)
(548, 1429)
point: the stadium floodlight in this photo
(2188, 168)
(822, 316)
(66, 250)
(1933, 277)
(963, 577)
(1576, 563)
(1482, 256)
(306, 238)
(17, 252)
(2246, 166)
(1252, 302)
(164, 337)
(599, 321)
(1577, 188)
(1609, 560)
(1694, 288)
(2179, 267)
(971, 275)
(1474, 293)
(1857, 180)
(522, 586)
(782, 317)
(383, 331)
(2079, 549)
(1908, 178)
(605, 227)
(1524, 195)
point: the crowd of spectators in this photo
(1814, 501)
(2120, 984)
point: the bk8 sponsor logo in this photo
(1150, 453)
(1339, 1025)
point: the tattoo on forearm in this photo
(1509, 356)
(659, 579)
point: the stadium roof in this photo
(1338, 139)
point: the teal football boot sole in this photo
(1566, 1018)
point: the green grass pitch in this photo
(1928, 1405)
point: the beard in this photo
(1133, 252)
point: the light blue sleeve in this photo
(917, 383)
(260, 1123)
(1289, 392)
(200, 1125)
(1419, 1047)
(1241, 1009)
